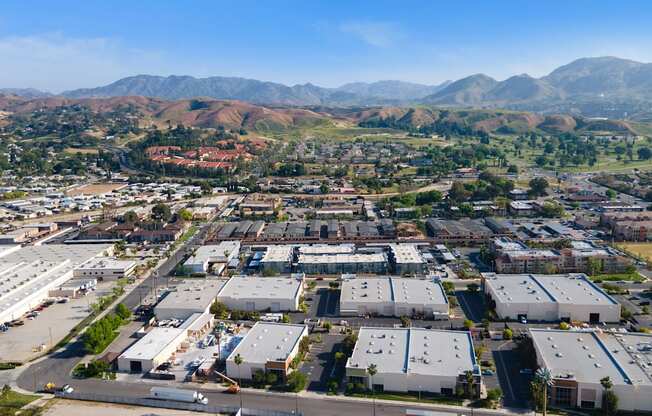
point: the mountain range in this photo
(596, 87)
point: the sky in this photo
(62, 45)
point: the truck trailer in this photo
(177, 395)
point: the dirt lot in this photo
(95, 189)
(77, 408)
(643, 250)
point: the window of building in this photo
(562, 396)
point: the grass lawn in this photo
(405, 397)
(642, 250)
(629, 277)
(15, 400)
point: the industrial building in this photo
(251, 293)
(190, 296)
(579, 360)
(105, 268)
(387, 296)
(29, 273)
(269, 347)
(407, 259)
(415, 359)
(161, 344)
(557, 297)
(343, 263)
(278, 258)
(213, 256)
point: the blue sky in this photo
(59, 45)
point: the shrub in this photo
(564, 326)
(122, 311)
(468, 324)
(507, 333)
(296, 381)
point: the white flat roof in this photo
(389, 289)
(406, 253)
(588, 356)
(572, 288)
(343, 258)
(34, 268)
(327, 249)
(252, 287)
(414, 351)
(151, 345)
(215, 253)
(267, 341)
(105, 263)
(195, 294)
(282, 253)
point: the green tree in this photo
(237, 360)
(468, 324)
(185, 214)
(296, 381)
(130, 217)
(538, 187)
(161, 212)
(507, 333)
(609, 398)
(644, 153)
(543, 379)
(122, 311)
(372, 370)
(593, 266)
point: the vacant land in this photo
(642, 250)
(85, 151)
(95, 189)
(77, 408)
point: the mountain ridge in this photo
(595, 87)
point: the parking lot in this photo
(22, 343)
(319, 365)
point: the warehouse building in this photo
(190, 296)
(407, 259)
(387, 296)
(161, 344)
(343, 263)
(269, 347)
(415, 359)
(278, 258)
(210, 256)
(27, 274)
(105, 268)
(251, 293)
(578, 360)
(558, 297)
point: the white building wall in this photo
(608, 313)
(33, 300)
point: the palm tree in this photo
(238, 360)
(372, 370)
(543, 377)
(470, 384)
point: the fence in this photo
(167, 404)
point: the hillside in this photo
(212, 113)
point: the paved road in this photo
(58, 366)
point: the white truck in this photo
(177, 395)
